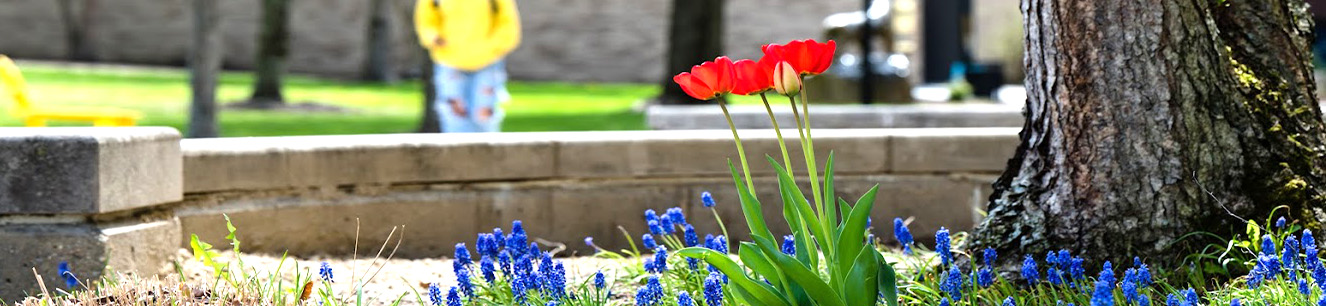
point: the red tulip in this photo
(806, 56)
(752, 77)
(708, 80)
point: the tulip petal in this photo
(693, 86)
(824, 56)
(750, 77)
(723, 68)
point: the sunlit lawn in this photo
(163, 97)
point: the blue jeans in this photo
(476, 90)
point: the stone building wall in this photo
(568, 40)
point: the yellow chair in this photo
(33, 115)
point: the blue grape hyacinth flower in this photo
(666, 222)
(684, 299)
(1173, 300)
(903, 235)
(789, 245)
(1190, 296)
(984, 277)
(952, 283)
(651, 294)
(1103, 294)
(942, 246)
(689, 237)
(463, 280)
(660, 260)
(599, 281)
(1280, 223)
(713, 289)
(707, 199)
(655, 227)
(1289, 257)
(453, 299)
(486, 245)
(1008, 301)
(435, 295)
(677, 215)
(1029, 271)
(325, 272)
(70, 281)
(488, 269)
(1268, 245)
(648, 241)
(462, 254)
(1076, 270)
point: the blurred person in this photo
(467, 41)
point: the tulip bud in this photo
(786, 79)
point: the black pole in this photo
(867, 68)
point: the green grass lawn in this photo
(163, 97)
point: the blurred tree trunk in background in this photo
(204, 66)
(431, 122)
(695, 35)
(76, 23)
(377, 55)
(1149, 121)
(273, 48)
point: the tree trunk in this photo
(273, 47)
(76, 23)
(1150, 120)
(377, 59)
(204, 65)
(431, 123)
(695, 35)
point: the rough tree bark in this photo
(377, 48)
(204, 66)
(1149, 120)
(273, 47)
(695, 35)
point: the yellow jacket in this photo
(473, 34)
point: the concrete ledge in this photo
(674, 117)
(281, 162)
(91, 250)
(87, 170)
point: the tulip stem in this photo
(741, 151)
(811, 164)
(806, 151)
(778, 132)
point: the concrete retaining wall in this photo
(126, 198)
(303, 194)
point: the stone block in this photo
(603, 209)
(144, 248)
(282, 162)
(953, 150)
(87, 170)
(434, 221)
